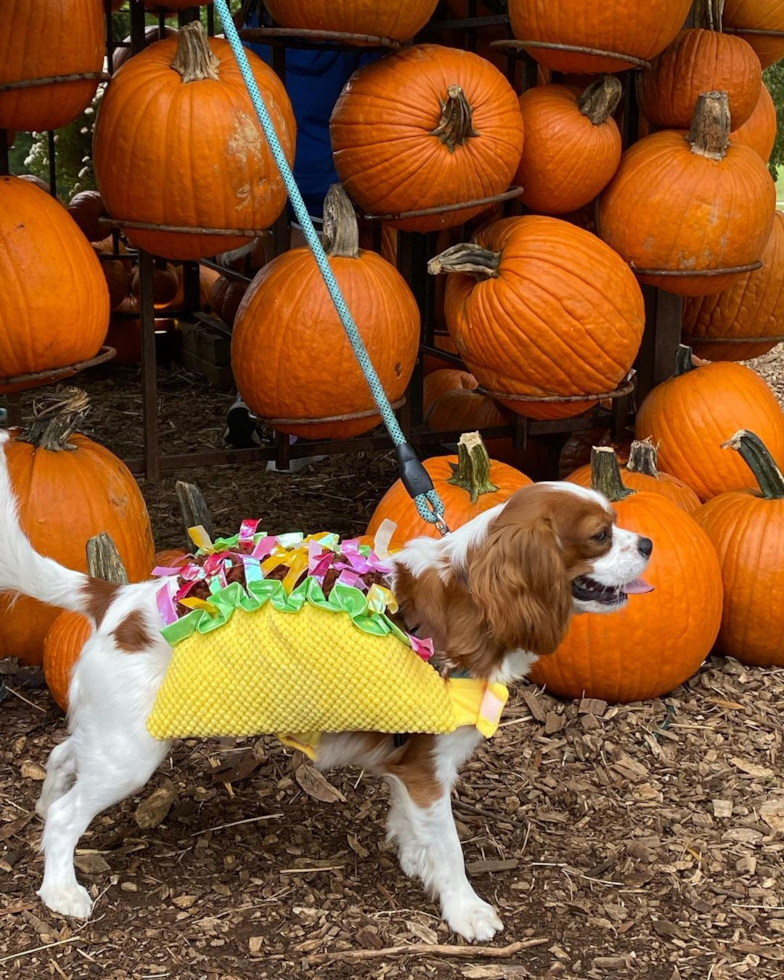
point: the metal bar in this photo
(137, 26)
(5, 163)
(152, 469)
(191, 287)
(52, 164)
(467, 23)
(110, 45)
(14, 403)
(228, 272)
(211, 21)
(656, 359)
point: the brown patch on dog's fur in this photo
(98, 596)
(132, 636)
(414, 764)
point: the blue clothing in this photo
(314, 80)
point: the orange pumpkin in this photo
(187, 93)
(539, 307)
(396, 19)
(69, 489)
(657, 641)
(758, 15)
(54, 308)
(426, 127)
(655, 215)
(572, 145)
(751, 307)
(747, 531)
(640, 472)
(627, 27)
(469, 484)
(170, 558)
(290, 354)
(86, 208)
(116, 272)
(759, 130)
(62, 648)
(226, 296)
(46, 39)
(698, 409)
(165, 283)
(699, 61)
(451, 402)
(577, 449)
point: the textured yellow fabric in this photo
(309, 671)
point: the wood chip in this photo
(153, 810)
(314, 784)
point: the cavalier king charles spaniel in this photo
(494, 595)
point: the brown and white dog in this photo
(494, 595)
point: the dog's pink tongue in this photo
(638, 587)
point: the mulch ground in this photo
(640, 841)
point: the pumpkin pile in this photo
(69, 490)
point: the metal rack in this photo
(663, 310)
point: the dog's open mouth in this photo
(587, 590)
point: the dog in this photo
(494, 595)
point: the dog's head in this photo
(512, 578)
(552, 551)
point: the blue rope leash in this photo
(413, 474)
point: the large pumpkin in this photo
(641, 472)
(451, 402)
(639, 28)
(469, 484)
(54, 303)
(657, 641)
(747, 531)
(290, 354)
(69, 490)
(758, 15)
(700, 61)
(698, 409)
(751, 307)
(426, 127)
(689, 205)
(70, 631)
(396, 19)
(759, 130)
(177, 143)
(572, 145)
(47, 39)
(540, 307)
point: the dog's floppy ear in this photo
(518, 580)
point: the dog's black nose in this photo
(645, 546)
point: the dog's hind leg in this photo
(106, 773)
(60, 774)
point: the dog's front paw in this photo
(70, 900)
(473, 919)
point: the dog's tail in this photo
(23, 570)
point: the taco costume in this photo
(294, 636)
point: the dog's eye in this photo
(601, 536)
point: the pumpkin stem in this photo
(684, 360)
(758, 459)
(606, 475)
(467, 258)
(104, 562)
(472, 471)
(643, 457)
(194, 59)
(709, 135)
(456, 123)
(600, 100)
(708, 14)
(341, 232)
(57, 415)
